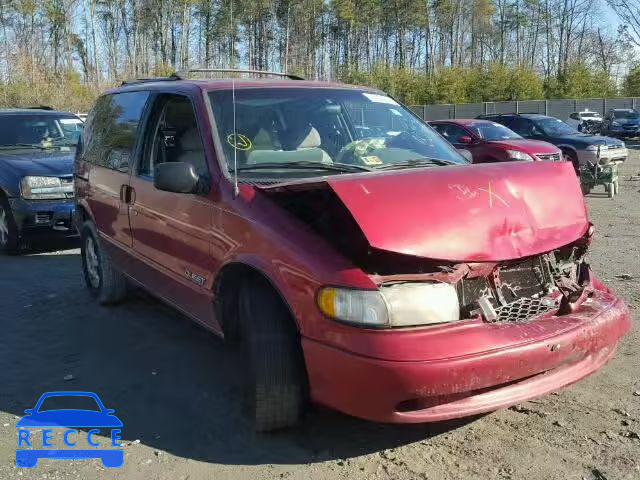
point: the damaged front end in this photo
(552, 283)
(513, 256)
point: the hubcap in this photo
(4, 227)
(92, 263)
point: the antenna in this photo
(236, 190)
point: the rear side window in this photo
(519, 125)
(111, 129)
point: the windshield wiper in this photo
(417, 162)
(334, 167)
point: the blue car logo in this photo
(39, 417)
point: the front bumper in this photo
(530, 359)
(44, 218)
(616, 155)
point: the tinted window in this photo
(520, 125)
(111, 129)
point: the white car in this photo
(577, 119)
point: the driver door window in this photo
(173, 136)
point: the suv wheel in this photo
(274, 386)
(103, 280)
(9, 240)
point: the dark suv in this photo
(36, 175)
(580, 148)
(622, 122)
(348, 252)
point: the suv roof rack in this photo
(39, 107)
(241, 71)
(135, 81)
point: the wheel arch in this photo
(226, 290)
(82, 213)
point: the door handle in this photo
(127, 194)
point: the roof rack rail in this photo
(40, 107)
(233, 70)
(171, 78)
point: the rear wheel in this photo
(9, 240)
(103, 280)
(274, 386)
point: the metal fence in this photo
(554, 108)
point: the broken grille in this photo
(524, 309)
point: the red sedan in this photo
(491, 142)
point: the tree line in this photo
(422, 51)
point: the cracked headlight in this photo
(44, 188)
(394, 305)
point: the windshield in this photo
(554, 127)
(492, 131)
(626, 114)
(590, 114)
(41, 131)
(305, 132)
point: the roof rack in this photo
(171, 78)
(233, 70)
(39, 107)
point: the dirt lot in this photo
(170, 384)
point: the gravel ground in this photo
(169, 382)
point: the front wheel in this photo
(274, 387)
(103, 280)
(9, 240)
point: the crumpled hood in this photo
(471, 213)
(38, 162)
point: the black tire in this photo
(571, 155)
(105, 283)
(9, 238)
(586, 189)
(274, 381)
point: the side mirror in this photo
(178, 177)
(465, 139)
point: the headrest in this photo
(306, 136)
(190, 140)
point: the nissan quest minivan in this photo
(349, 253)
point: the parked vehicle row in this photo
(349, 254)
(36, 175)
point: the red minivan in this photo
(492, 142)
(349, 253)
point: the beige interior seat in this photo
(192, 151)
